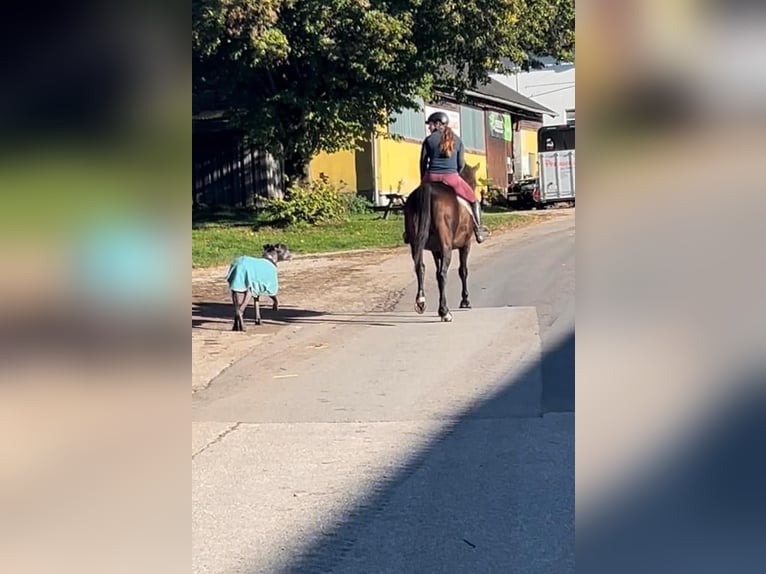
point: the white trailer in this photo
(556, 163)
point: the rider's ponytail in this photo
(447, 145)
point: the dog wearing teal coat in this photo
(251, 277)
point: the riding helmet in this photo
(438, 117)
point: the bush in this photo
(358, 204)
(492, 194)
(317, 202)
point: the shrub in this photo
(357, 204)
(316, 202)
(492, 194)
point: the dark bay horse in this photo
(434, 219)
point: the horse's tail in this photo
(423, 209)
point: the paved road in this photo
(537, 270)
(395, 443)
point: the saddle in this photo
(460, 199)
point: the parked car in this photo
(521, 193)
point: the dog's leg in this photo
(236, 298)
(244, 301)
(234, 304)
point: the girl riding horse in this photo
(442, 159)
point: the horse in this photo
(436, 220)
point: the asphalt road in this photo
(395, 443)
(537, 270)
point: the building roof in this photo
(497, 92)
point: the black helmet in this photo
(438, 117)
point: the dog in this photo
(251, 277)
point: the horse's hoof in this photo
(420, 307)
(447, 318)
(465, 305)
(257, 321)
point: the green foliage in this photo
(492, 194)
(303, 76)
(316, 202)
(548, 29)
(357, 204)
(218, 244)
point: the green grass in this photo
(217, 240)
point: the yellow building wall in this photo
(472, 159)
(398, 166)
(529, 146)
(339, 167)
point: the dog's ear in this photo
(268, 247)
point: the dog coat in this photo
(255, 274)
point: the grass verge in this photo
(218, 242)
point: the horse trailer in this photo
(556, 163)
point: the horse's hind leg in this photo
(442, 261)
(463, 271)
(420, 270)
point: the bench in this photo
(395, 202)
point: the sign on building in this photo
(500, 126)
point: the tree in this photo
(548, 30)
(303, 76)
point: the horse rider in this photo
(442, 159)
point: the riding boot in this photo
(478, 230)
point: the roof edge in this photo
(542, 110)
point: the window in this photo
(472, 128)
(556, 138)
(409, 123)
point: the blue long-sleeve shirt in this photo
(432, 160)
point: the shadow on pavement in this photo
(204, 313)
(493, 492)
(701, 508)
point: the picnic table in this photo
(395, 201)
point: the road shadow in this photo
(492, 492)
(699, 508)
(210, 314)
(558, 377)
(207, 312)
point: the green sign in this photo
(500, 126)
(507, 128)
